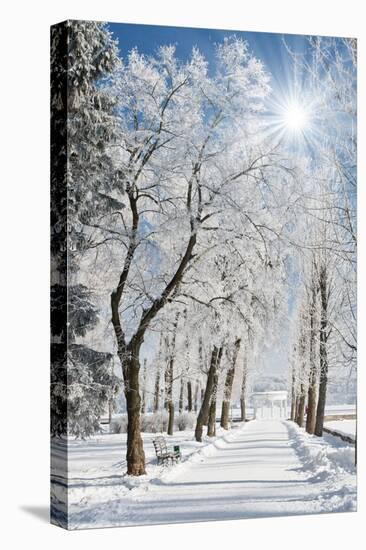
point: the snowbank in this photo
(343, 427)
(330, 460)
(319, 456)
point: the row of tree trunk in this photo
(313, 400)
(207, 396)
(203, 415)
(207, 412)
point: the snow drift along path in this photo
(254, 471)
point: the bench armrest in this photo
(176, 452)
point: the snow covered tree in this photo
(190, 179)
(175, 123)
(330, 65)
(91, 126)
(82, 380)
(91, 383)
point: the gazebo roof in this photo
(276, 395)
(274, 392)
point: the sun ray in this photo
(291, 118)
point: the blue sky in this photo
(268, 47)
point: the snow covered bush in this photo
(185, 421)
(154, 423)
(150, 423)
(119, 424)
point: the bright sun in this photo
(291, 118)
(295, 117)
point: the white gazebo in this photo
(269, 404)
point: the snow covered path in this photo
(254, 471)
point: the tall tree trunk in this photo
(170, 418)
(167, 371)
(181, 396)
(294, 407)
(243, 387)
(356, 445)
(202, 418)
(184, 374)
(189, 396)
(169, 377)
(157, 390)
(202, 395)
(320, 411)
(242, 409)
(225, 410)
(110, 411)
(196, 393)
(169, 394)
(312, 403)
(293, 390)
(143, 401)
(200, 389)
(211, 425)
(130, 363)
(313, 377)
(156, 404)
(301, 406)
(135, 450)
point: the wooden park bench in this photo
(163, 455)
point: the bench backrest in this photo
(159, 445)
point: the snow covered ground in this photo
(344, 427)
(340, 409)
(235, 412)
(262, 468)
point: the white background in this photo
(24, 279)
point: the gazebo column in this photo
(276, 401)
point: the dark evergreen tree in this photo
(83, 55)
